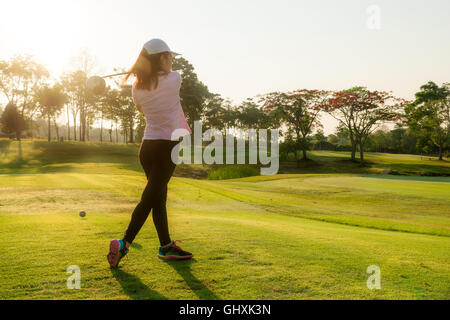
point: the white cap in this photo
(157, 46)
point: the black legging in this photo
(155, 158)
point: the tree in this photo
(103, 108)
(341, 139)
(320, 139)
(251, 115)
(124, 109)
(340, 107)
(130, 111)
(430, 114)
(361, 111)
(94, 105)
(113, 110)
(380, 140)
(299, 110)
(403, 140)
(289, 145)
(230, 115)
(51, 101)
(194, 95)
(140, 129)
(12, 121)
(84, 63)
(74, 84)
(19, 78)
(214, 113)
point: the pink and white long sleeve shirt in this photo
(162, 107)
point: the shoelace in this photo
(174, 245)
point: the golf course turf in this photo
(310, 235)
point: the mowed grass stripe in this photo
(305, 197)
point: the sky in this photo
(240, 49)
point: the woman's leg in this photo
(156, 160)
(159, 215)
(142, 210)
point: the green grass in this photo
(338, 162)
(233, 172)
(287, 236)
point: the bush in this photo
(232, 172)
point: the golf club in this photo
(97, 84)
(116, 74)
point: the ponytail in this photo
(145, 69)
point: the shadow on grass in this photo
(409, 178)
(322, 165)
(57, 157)
(438, 169)
(134, 287)
(183, 267)
(76, 152)
(60, 157)
(329, 164)
(136, 246)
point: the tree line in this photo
(424, 122)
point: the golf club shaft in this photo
(116, 74)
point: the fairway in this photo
(287, 236)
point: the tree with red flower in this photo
(361, 111)
(299, 111)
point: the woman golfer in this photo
(156, 95)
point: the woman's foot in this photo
(117, 250)
(173, 252)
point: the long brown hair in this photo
(146, 70)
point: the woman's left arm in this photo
(138, 106)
